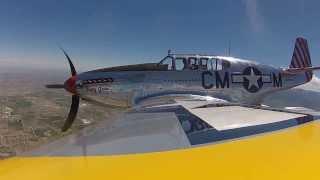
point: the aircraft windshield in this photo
(168, 62)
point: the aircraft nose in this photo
(70, 85)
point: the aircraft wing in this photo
(230, 116)
(187, 139)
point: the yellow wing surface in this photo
(289, 153)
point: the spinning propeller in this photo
(70, 86)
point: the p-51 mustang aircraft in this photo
(219, 78)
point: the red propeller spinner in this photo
(70, 85)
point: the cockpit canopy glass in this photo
(194, 63)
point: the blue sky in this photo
(106, 33)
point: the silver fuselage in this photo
(243, 82)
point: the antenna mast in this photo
(229, 47)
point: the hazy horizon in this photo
(109, 33)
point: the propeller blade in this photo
(72, 68)
(55, 86)
(72, 113)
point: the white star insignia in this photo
(253, 79)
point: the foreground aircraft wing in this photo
(187, 139)
(224, 116)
